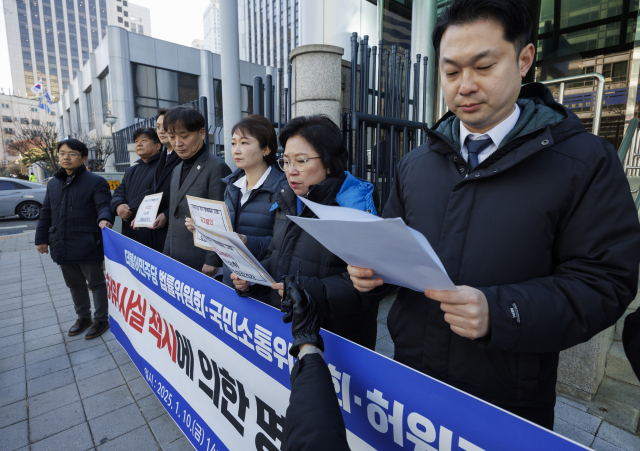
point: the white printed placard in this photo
(210, 214)
(148, 210)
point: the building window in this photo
(126, 14)
(7, 119)
(8, 141)
(159, 88)
(119, 19)
(126, 24)
(35, 121)
(8, 130)
(78, 118)
(24, 121)
(34, 110)
(5, 105)
(140, 29)
(119, 9)
(51, 124)
(125, 3)
(105, 90)
(615, 72)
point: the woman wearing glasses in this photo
(251, 188)
(314, 162)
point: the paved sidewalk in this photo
(67, 393)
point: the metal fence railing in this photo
(123, 137)
(386, 118)
(273, 101)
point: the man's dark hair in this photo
(161, 112)
(149, 133)
(323, 135)
(514, 15)
(261, 129)
(74, 144)
(185, 117)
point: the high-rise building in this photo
(52, 39)
(197, 44)
(269, 29)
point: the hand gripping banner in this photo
(220, 366)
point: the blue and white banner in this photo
(220, 366)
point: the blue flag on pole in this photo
(46, 96)
(41, 105)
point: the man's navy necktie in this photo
(474, 148)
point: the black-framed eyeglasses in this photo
(300, 164)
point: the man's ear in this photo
(525, 59)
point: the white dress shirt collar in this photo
(496, 134)
(242, 184)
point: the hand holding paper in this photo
(147, 211)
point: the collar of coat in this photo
(541, 117)
(323, 193)
(271, 184)
(62, 173)
(150, 160)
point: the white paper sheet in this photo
(210, 214)
(235, 255)
(397, 253)
(148, 210)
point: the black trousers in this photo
(82, 277)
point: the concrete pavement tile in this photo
(50, 382)
(13, 413)
(13, 339)
(48, 366)
(619, 437)
(165, 430)
(79, 345)
(53, 399)
(121, 357)
(11, 321)
(77, 438)
(116, 423)
(601, 445)
(12, 394)
(129, 371)
(151, 408)
(140, 388)
(35, 289)
(12, 377)
(114, 345)
(13, 350)
(181, 444)
(108, 401)
(44, 342)
(33, 302)
(94, 367)
(620, 391)
(14, 437)
(55, 421)
(42, 354)
(10, 330)
(141, 439)
(33, 315)
(100, 383)
(40, 323)
(86, 355)
(12, 313)
(108, 336)
(42, 332)
(579, 418)
(572, 432)
(11, 363)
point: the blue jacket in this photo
(73, 207)
(341, 308)
(256, 217)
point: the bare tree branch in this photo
(36, 140)
(100, 146)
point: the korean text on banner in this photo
(409, 260)
(148, 210)
(219, 364)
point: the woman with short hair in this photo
(314, 162)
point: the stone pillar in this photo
(317, 81)
(581, 368)
(230, 69)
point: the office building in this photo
(18, 113)
(52, 39)
(197, 44)
(269, 29)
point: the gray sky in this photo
(178, 21)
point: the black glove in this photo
(300, 311)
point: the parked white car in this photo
(20, 197)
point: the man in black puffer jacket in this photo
(75, 208)
(536, 225)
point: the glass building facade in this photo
(572, 37)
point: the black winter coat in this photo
(135, 185)
(72, 209)
(162, 184)
(631, 340)
(313, 421)
(545, 228)
(341, 307)
(256, 217)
